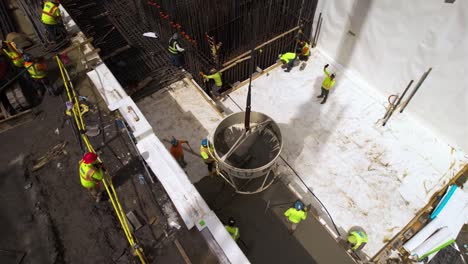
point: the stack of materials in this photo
(446, 222)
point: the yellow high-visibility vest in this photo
(34, 71)
(295, 215)
(328, 83)
(173, 47)
(12, 52)
(216, 77)
(233, 231)
(89, 175)
(358, 239)
(205, 153)
(288, 57)
(50, 14)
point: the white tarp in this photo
(386, 43)
(366, 175)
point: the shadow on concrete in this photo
(168, 119)
(357, 18)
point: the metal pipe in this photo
(423, 77)
(388, 115)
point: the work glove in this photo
(326, 66)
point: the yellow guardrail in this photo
(77, 115)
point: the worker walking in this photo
(217, 81)
(288, 60)
(304, 50)
(232, 229)
(13, 52)
(175, 50)
(38, 72)
(206, 149)
(327, 84)
(295, 215)
(177, 151)
(51, 19)
(91, 173)
(357, 239)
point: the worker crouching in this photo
(304, 50)
(91, 174)
(217, 81)
(288, 59)
(357, 238)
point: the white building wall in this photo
(397, 40)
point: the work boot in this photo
(320, 96)
(324, 101)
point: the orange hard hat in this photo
(89, 157)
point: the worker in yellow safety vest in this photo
(38, 72)
(288, 60)
(51, 18)
(232, 229)
(305, 50)
(206, 150)
(295, 215)
(217, 81)
(327, 84)
(357, 239)
(175, 50)
(91, 173)
(13, 52)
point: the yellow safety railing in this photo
(78, 117)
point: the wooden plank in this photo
(16, 120)
(182, 252)
(206, 97)
(417, 223)
(260, 46)
(253, 78)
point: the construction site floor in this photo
(48, 217)
(265, 237)
(264, 232)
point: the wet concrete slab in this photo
(264, 233)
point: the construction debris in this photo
(49, 156)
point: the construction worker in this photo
(357, 239)
(327, 84)
(206, 149)
(91, 173)
(232, 229)
(288, 60)
(38, 72)
(177, 151)
(303, 47)
(217, 81)
(295, 214)
(51, 18)
(13, 52)
(175, 50)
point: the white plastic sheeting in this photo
(443, 228)
(366, 175)
(386, 43)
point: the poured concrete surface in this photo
(171, 114)
(264, 231)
